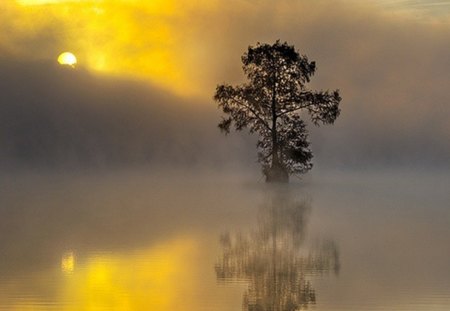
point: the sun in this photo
(68, 59)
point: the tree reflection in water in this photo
(271, 258)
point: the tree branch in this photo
(252, 111)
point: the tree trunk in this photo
(277, 172)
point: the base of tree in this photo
(277, 175)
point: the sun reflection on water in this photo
(149, 279)
(68, 262)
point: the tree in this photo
(271, 103)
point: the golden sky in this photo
(184, 46)
(134, 38)
(171, 43)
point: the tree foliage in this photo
(271, 104)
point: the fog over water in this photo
(118, 191)
(53, 116)
(146, 239)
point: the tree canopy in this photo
(271, 104)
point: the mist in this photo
(390, 67)
(53, 116)
(118, 190)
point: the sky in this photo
(147, 71)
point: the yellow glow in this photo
(68, 262)
(67, 58)
(144, 39)
(154, 279)
(175, 274)
(40, 2)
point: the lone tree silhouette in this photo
(271, 102)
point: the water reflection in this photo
(272, 259)
(68, 262)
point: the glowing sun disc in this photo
(67, 58)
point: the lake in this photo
(179, 240)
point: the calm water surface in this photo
(149, 241)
